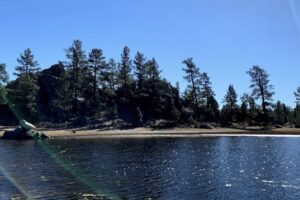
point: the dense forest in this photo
(91, 89)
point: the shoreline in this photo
(84, 133)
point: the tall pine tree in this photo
(23, 91)
(230, 100)
(140, 72)
(261, 88)
(77, 67)
(125, 67)
(96, 66)
(192, 75)
(28, 65)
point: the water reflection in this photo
(192, 168)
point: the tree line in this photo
(88, 87)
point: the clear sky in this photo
(225, 37)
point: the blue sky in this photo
(225, 37)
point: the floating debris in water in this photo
(266, 181)
(43, 178)
(89, 196)
(291, 186)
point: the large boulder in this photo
(205, 126)
(24, 132)
(18, 134)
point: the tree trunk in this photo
(94, 88)
(262, 92)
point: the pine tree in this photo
(250, 103)
(230, 100)
(243, 113)
(252, 108)
(192, 77)
(279, 115)
(96, 66)
(153, 73)
(3, 80)
(297, 95)
(297, 116)
(23, 91)
(206, 88)
(154, 88)
(3, 74)
(27, 65)
(65, 97)
(177, 100)
(125, 68)
(77, 66)
(262, 89)
(140, 72)
(212, 112)
(109, 80)
(111, 75)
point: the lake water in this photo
(169, 168)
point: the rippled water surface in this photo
(191, 168)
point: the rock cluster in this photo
(24, 131)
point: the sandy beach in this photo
(173, 132)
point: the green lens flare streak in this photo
(50, 150)
(14, 183)
(10, 104)
(2, 170)
(294, 13)
(75, 171)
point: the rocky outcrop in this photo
(24, 131)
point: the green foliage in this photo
(243, 112)
(252, 108)
(279, 113)
(140, 71)
(297, 116)
(199, 94)
(22, 95)
(96, 66)
(125, 67)
(212, 110)
(110, 75)
(3, 80)
(192, 76)
(297, 95)
(230, 100)
(282, 114)
(206, 91)
(3, 74)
